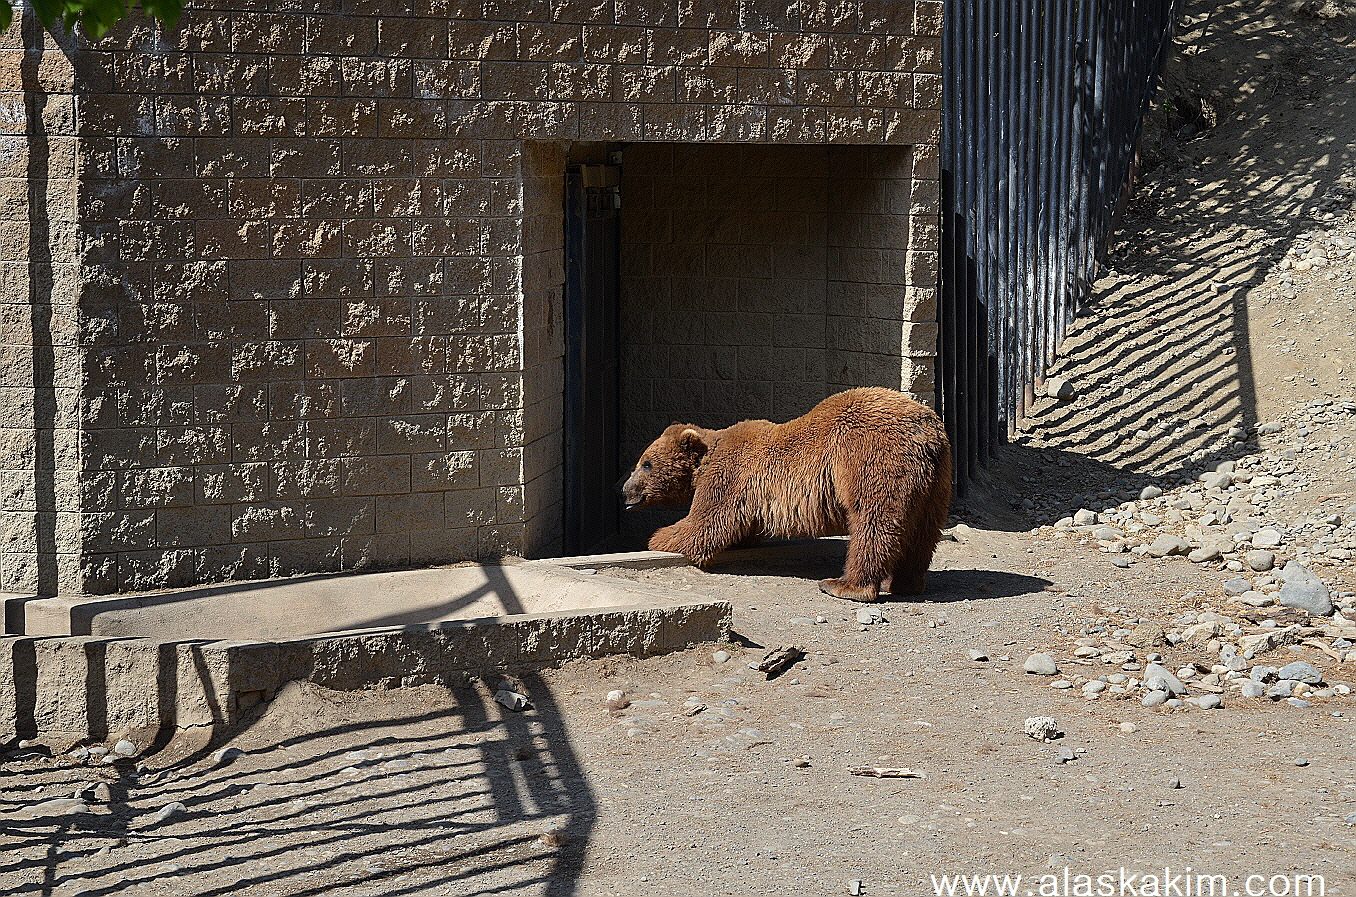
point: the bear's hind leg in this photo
(915, 557)
(908, 578)
(869, 561)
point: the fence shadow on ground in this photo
(434, 790)
(1162, 354)
(453, 799)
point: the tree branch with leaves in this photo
(94, 17)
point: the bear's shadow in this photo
(816, 559)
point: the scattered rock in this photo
(977, 655)
(167, 812)
(57, 806)
(1281, 690)
(1147, 636)
(870, 614)
(1204, 554)
(1041, 665)
(1259, 560)
(1150, 492)
(1216, 480)
(617, 700)
(1042, 728)
(1167, 545)
(1301, 672)
(512, 700)
(1303, 590)
(1059, 388)
(721, 656)
(124, 748)
(1161, 679)
(1267, 537)
(778, 660)
(226, 755)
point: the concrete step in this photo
(70, 689)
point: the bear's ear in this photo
(692, 441)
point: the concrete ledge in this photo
(74, 689)
(140, 665)
(631, 560)
(311, 605)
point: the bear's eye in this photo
(645, 465)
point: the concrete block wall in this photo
(302, 261)
(881, 311)
(759, 279)
(40, 359)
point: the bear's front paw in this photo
(667, 538)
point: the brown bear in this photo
(869, 463)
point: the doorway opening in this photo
(592, 355)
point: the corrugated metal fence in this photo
(1042, 109)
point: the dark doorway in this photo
(592, 357)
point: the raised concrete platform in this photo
(310, 605)
(95, 669)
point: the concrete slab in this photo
(141, 665)
(311, 605)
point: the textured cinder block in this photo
(18, 687)
(321, 256)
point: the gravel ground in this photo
(714, 779)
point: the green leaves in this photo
(94, 17)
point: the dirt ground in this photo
(715, 780)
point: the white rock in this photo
(57, 806)
(226, 755)
(1042, 728)
(167, 812)
(1166, 545)
(1059, 388)
(1041, 665)
(512, 700)
(1302, 589)
(1267, 537)
(870, 614)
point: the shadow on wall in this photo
(43, 577)
(452, 799)
(1162, 355)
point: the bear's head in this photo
(666, 470)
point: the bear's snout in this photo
(632, 492)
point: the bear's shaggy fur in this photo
(871, 463)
